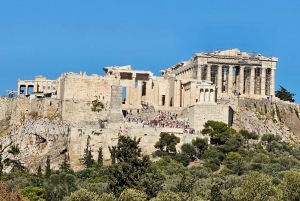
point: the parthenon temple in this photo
(203, 79)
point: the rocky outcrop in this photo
(37, 139)
(43, 128)
(263, 116)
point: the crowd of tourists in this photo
(163, 120)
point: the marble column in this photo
(132, 90)
(167, 96)
(263, 82)
(272, 85)
(177, 93)
(230, 80)
(149, 91)
(199, 70)
(220, 82)
(35, 87)
(208, 73)
(211, 96)
(139, 93)
(19, 89)
(252, 81)
(26, 89)
(201, 97)
(242, 80)
(206, 98)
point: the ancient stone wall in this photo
(199, 114)
(5, 115)
(82, 87)
(109, 137)
(81, 111)
(5, 107)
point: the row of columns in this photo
(134, 90)
(241, 80)
(207, 96)
(37, 86)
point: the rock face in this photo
(38, 129)
(49, 127)
(37, 139)
(263, 116)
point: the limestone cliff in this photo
(263, 116)
(50, 127)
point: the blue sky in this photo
(52, 37)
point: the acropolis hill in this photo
(53, 117)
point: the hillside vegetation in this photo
(235, 166)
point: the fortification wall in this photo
(199, 114)
(82, 87)
(5, 115)
(16, 110)
(109, 137)
(5, 112)
(81, 111)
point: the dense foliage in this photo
(235, 166)
(284, 94)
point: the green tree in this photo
(17, 164)
(39, 176)
(219, 132)
(107, 197)
(231, 145)
(151, 182)
(48, 168)
(190, 150)
(131, 165)
(34, 193)
(284, 94)
(182, 158)
(100, 157)
(186, 184)
(167, 196)
(234, 162)
(270, 137)
(257, 187)
(201, 145)
(87, 159)
(215, 192)
(248, 135)
(39, 172)
(290, 186)
(65, 165)
(132, 195)
(60, 186)
(167, 143)
(82, 195)
(213, 158)
(126, 150)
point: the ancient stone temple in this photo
(232, 71)
(204, 78)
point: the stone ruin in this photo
(191, 89)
